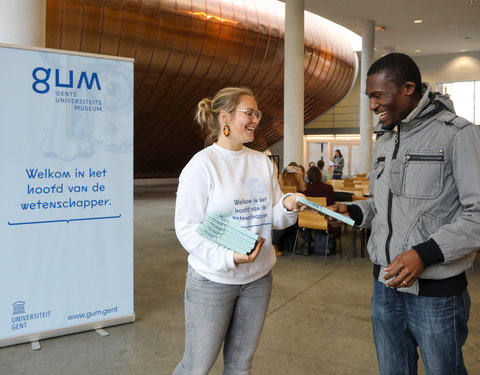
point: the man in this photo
(425, 220)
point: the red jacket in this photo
(320, 189)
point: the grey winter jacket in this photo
(425, 181)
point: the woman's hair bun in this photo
(204, 111)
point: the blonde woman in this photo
(227, 293)
(292, 176)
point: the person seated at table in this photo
(292, 176)
(317, 188)
(304, 175)
(283, 239)
(325, 175)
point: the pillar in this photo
(366, 128)
(23, 22)
(294, 81)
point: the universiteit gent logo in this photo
(18, 307)
(20, 318)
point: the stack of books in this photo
(231, 235)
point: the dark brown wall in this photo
(187, 50)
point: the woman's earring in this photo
(226, 130)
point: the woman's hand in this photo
(291, 204)
(249, 258)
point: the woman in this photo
(227, 293)
(338, 163)
(317, 188)
(292, 176)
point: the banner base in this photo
(66, 331)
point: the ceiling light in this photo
(417, 21)
(418, 50)
(380, 28)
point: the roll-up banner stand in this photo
(66, 193)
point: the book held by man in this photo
(326, 211)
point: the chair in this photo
(313, 220)
(337, 184)
(355, 198)
(288, 189)
(361, 175)
(358, 192)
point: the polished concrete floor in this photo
(318, 320)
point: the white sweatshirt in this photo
(241, 186)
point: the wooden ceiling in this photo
(187, 50)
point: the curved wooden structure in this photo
(187, 50)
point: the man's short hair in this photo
(398, 68)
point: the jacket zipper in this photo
(390, 199)
(380, 159)
(414, 157)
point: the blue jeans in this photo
(437, 325)
(217, 314)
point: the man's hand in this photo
(249, 258)
(406, 267)
(337, 207)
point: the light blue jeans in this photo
(216, 314)
(437, 325)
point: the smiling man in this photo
(425, 220)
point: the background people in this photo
(227, 293)
(338, 164)
(325, 175)
(425, 218)
(283, 239)
(302, 172)
(317, 188)
(292, 176)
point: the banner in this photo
(66, 193)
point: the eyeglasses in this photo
(250, 112)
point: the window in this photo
(316, 152)
(325, 150)
(465, 97)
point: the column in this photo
(366, 128)
(23, 22)
(294, 81)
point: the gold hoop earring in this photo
(226, 130)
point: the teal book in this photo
(326, 211)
